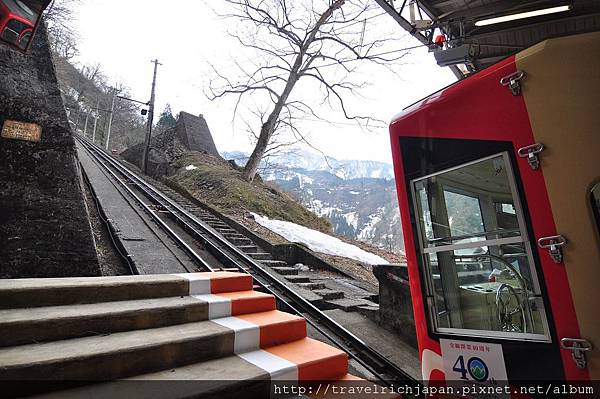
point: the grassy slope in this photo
(218, 184)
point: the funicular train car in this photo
(18, 19)
(498, 180)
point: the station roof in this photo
(476, 40)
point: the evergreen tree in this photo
(166, 119)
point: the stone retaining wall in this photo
(395, 304)
(44, 225)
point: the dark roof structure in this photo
(194, 133)
(473, 39)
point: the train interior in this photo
(476, 252)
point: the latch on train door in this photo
(554, 246)
(578, 347)
(513, 82)
(531, 153)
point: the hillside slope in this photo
(217, 183)
(358, 197)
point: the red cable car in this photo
(17, 21)
(498, 180)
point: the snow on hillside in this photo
(317, 241)
(279, 165)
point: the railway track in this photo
(177, 222)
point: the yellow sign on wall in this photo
(21, 131)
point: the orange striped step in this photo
(302, 360)
(42, 324)
(282, 327)
(264, 329)
(41, 292)
(237, 303)
(242, 336)
(315, 360)
(216, 282)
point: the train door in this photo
(499, 189)
(484, 300)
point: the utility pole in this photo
(150, 120)
(87, 118)
(77, 121)
(96, 120)
(110, 116)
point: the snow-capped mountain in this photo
(300, 159)
(365, 209)
(358, 197)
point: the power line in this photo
(361, 20)
(372, 55)
(344, 123)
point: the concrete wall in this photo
(190, 134)
(44, 226)
(395, 304)
(193, 131)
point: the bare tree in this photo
(317, 41)
(89, 79)
(59, 25)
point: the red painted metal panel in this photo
(480, 108)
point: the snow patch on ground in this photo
(191, 167)
(318, 241)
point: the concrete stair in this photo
(284, 270)
(260, 256)
(218, 224)
(350, 305)
(33, 325)
(226, 230)
(277, 264)
(329, 294)
(208, 327)
(249, 249)
(312, 286)
(239, 240)
(297, 279)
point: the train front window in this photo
(13, 30)
(477, 257)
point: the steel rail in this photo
(377, 364)
(189, 250)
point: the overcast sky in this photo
(186, 35)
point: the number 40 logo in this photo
(476, 368)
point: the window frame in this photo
(424, 251)
(458, 191)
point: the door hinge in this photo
(554, 246)
(513, 82)
(531, 153)
(578, 347)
